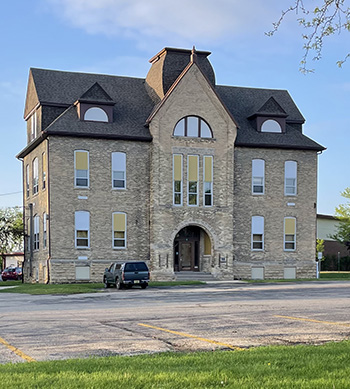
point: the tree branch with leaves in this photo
(342, 213)
(328, 18)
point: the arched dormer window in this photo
(194, 127)
(96, 114)
(271, 125)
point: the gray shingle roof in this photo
(133, 106)
(245, 102)
(131, 109)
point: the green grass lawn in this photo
(74, 288)
(318, 367)
(335, 275)
(98, 287)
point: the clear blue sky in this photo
(120, 36)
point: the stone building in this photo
(171, 169)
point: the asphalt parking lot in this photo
(127, 322)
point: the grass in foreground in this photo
(279, 367)
(73, 288)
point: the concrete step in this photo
(194, 276)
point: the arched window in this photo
(271, 125)
(96, 114)
(194, 127)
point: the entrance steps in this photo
(194, 276)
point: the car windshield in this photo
(141, 266)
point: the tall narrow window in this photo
(35, 176)
(27, 180)
(36, 232)
(177, 179)
(289, 233)
(81, 164)
(34, 125)
(82, 229)
(44, 230)
(119, 230)
(257, 242)
(290, 178)
(258, 176)
(43, 158)
(208, 181)
(118, 170)
(192, 178)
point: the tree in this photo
(319, 246)
(11, 229)
(329, 18)
(342, 213)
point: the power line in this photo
(9, 194)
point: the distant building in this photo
(12, 260)
(171, 169)
(327, 226)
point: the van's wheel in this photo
(118, 284)
(144, 286)
(107, 284)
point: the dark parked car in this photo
(126, 274)
(12, 273)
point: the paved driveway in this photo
(126, 322)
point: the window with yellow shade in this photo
(81, 168)
(192, 179)
(119, 230)
(289, 233)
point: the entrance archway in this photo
(191, 243)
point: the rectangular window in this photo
(35, 176)
(177, 179)
(81, 166)
(118, 170)
(257, 241)
(36, 232)
(34, 125)
(208, 181)
(119, 230)
(43, 158)
(192, 179)
(82, 229)
(290, 178)
(258, 176)
(27, 181)
(289, 233)
(44, 230)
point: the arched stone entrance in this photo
(191, 245)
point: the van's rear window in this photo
(136, 267)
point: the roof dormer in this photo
(271, 117)
(95, 105)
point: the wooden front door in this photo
(186, 255)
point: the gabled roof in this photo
(131, 109)
(242, 102)
(271, 108)
(133, 106)
(96, 94)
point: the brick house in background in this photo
(172, 169)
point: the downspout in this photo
(31, 223)
(24, 215)
(48, 230)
